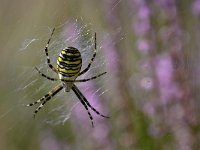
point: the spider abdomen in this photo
(69, 63)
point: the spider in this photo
(68, 68)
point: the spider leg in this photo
(84, 80)
(47, 54)
(83, 103)
(90, 116)
(38, 101)
(92, 78)
(41, 105)
(47, 77)
(46, 98)
(93, 57)
(81, 96)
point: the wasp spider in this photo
(68, 69)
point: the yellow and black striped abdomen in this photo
(69, 62)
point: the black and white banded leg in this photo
(46, 98)
(83, 103)
(92, 59)
(81, 97)
(47, 77)
(47, 54)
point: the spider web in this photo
(32, 86)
